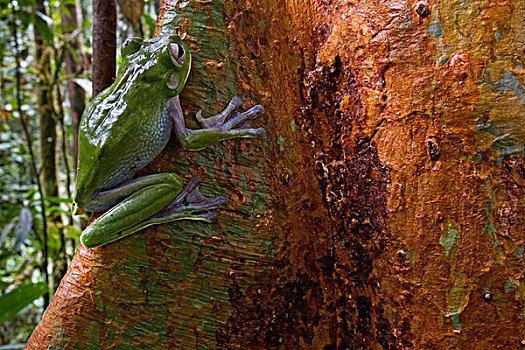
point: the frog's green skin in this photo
(127, 125)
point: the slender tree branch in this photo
(61, 116)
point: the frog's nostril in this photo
(173, 82)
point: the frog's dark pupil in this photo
(180, 51)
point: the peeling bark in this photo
(383, 211)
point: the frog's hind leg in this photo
(197, 207)
(141, 199)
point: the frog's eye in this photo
(131, 46)
(177, 53)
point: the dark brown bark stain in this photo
(291, 304)
(354, 185)
(287, 312)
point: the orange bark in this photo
(384, 211)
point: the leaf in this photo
(5, 146)
(43, 26)
(73, 53)
(73, 35)
(23, 227)
(65, 10)
(56, 200)
(45, 18)
(85, 84)
(57, 210)
(150, 22)
(14, 301)
(30, 193)
(26, 3)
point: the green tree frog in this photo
(127, 125)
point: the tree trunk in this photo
(104, 44)
(383, 211)
(77, 96)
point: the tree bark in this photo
(104, 44)
(74, 66)
(383, 211)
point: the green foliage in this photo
(43, 23)
(14, 301)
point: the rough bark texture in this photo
(104, 44)
(383, 211)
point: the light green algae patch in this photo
(435, 30)
(448, 237)
(509, 285)
(518, 253)
(457, 299)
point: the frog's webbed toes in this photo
(216, 121)
(192, 205)
(195, 198)
(229, 121)
(189, 188)
(242, 120)
(201, 208)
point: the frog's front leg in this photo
(149, 200)
(223, 126)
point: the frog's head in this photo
(164, 59)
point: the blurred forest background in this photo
(45, 82)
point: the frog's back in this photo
(123, 139)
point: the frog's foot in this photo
(228, 120)
(226, 125)
(190, 204)
(197, 206)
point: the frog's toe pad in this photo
(207, 216)
(236, 101)
(241, 121)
